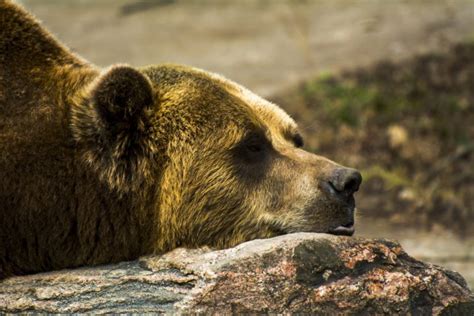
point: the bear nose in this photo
(345, 181)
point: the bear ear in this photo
(111, 122)
(120, 97)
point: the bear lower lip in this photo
(343, 230)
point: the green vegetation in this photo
(392, 179)
(342, 101)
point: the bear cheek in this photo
(287, 194)
(301, 203)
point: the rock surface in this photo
(303, 272)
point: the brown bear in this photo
(104, 165)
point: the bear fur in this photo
(104, 165)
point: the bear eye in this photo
(253, 149)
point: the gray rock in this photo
(297, 273)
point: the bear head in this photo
(223, 165)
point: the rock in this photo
(296, 273)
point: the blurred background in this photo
(383, 86)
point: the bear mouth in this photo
(343, 230)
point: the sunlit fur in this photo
(103, 165)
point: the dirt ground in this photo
(272, 47)
(262, 44)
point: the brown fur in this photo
(100, 166)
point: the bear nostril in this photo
(351, 186)
(346, 181)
